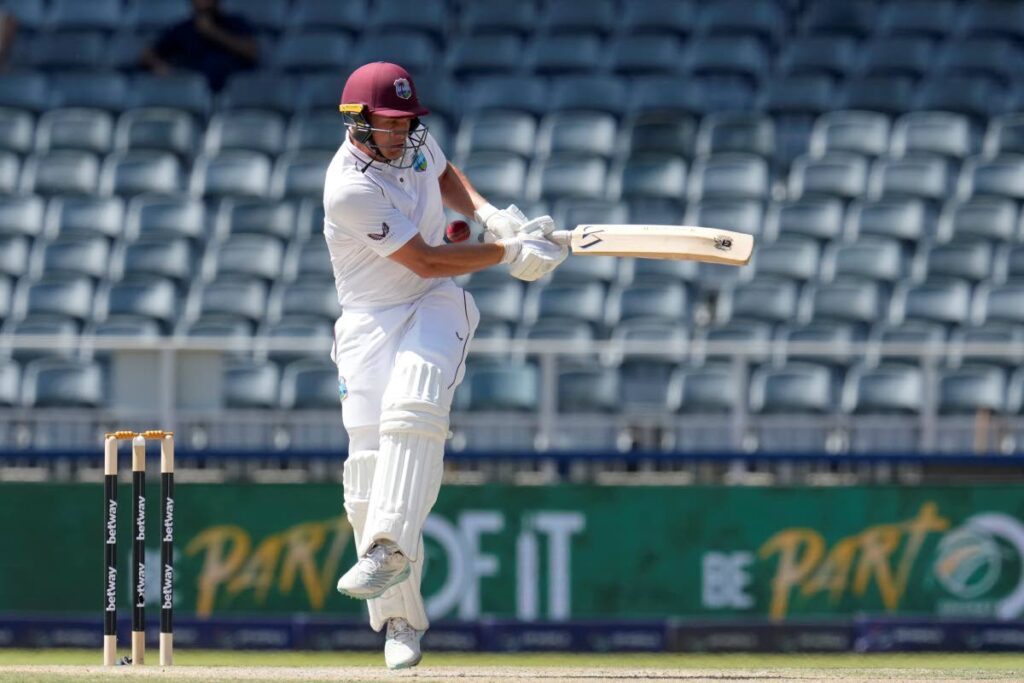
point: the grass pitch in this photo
(82, 665)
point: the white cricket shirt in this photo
(371, 209)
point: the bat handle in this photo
(563, 237)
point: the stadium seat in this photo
(300, 174)
(497, 174)
(156, 257)
(56, 296)
(497, 131)
(797, 387)
(584, 302)
(249, 256)
(569, 54)
(28, 90)
(712, 388)
(573, 212)
(588, 390)
(506, 388)
(68, 50)
(526, 93)
(635, 55)
(310, 385)
(650, 176)
(974, 345)
(302, 335)
(262, 15)
(736, 132)
(126, 49)
(944, 302)
(900, 219)
(999, 304)
(999, 177)
(836, 338)
(252, 385)
(60, 328)
(897, 56)
(678, 17)
(671, 97)
(663, 302)
(933, 132)
(577, 133)
(31, 14)
(819, 218)
(972, 96)
(645, 387)
(842, 175)
(987, 218)
(22, 215)
(259, 131)
(62, 383)
(858, 302)
(155, 299)
(857, 132)
(488, 18)
(966, 260)
(479, 55)
(575, 16)
(993, 19)
(141, 172)
(14, 252)
(74, 256)
(427, 16)
(218, 327)
(231, 174)
(741, 215)
(853, 19)
(10, 384)
(60, 172)
(79, 129)
(726, 56)
(890, 95)
(166, 217)
(498, 301)
(100, 15)
(987, 58)
(309, 300)
(911, 177)
(414, 50)
(319, 49)
(664, 270)
(888, 389)
(185, 91)
(559, 177)
(17, 130)
(906, 342)
(312, 262)
(767, 300)
(753, 336)
(660, 133)
(328, 14)
(818, 55)
(236, 298)
(149, 16)
(763, 21)
(971, 388)
(728, 176)
(650, 340)
(559, 332)
(260, 90)
(256, 216)
(157, 129)
(315, 130)
(790, 258)
(931, 19)
(589, 92)
(1005, 135)
(869, 258)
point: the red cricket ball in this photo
(457, 231)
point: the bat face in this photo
(680, 242)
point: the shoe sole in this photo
(408, 665)
(399, 578)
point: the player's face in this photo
(392, 142)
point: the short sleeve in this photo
(361, 211)
(436, 155)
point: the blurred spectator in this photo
(211, 42)
(8, 29)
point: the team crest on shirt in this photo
(402, 88)
(342, 388)
(419, 164)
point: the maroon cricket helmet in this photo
(381, 88)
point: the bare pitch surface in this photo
(81, 665)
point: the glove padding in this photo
(504, 223)
(531, 256)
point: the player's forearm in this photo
(458, 193)
(449, 260)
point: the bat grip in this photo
(563, 237)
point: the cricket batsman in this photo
(401, 341)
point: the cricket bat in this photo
(680, 242)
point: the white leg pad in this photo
(357, 479)
(403, 600)
(407, 477)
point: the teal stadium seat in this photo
(141, 171)
(310, 385)
(255, 130)
(796, 387)
(60, 383)
(934, 132)
(902, 55)
(329, 14)
(230, 174)
(68, 172)
(252, 385)
(860, 132)
(481, 55)
(88, 130)
(17, 130)
(157, 129)
(993, 219)
(842, 175)
(819, 218)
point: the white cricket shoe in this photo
(402, 647)
(380, 568)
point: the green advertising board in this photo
(550, 552)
